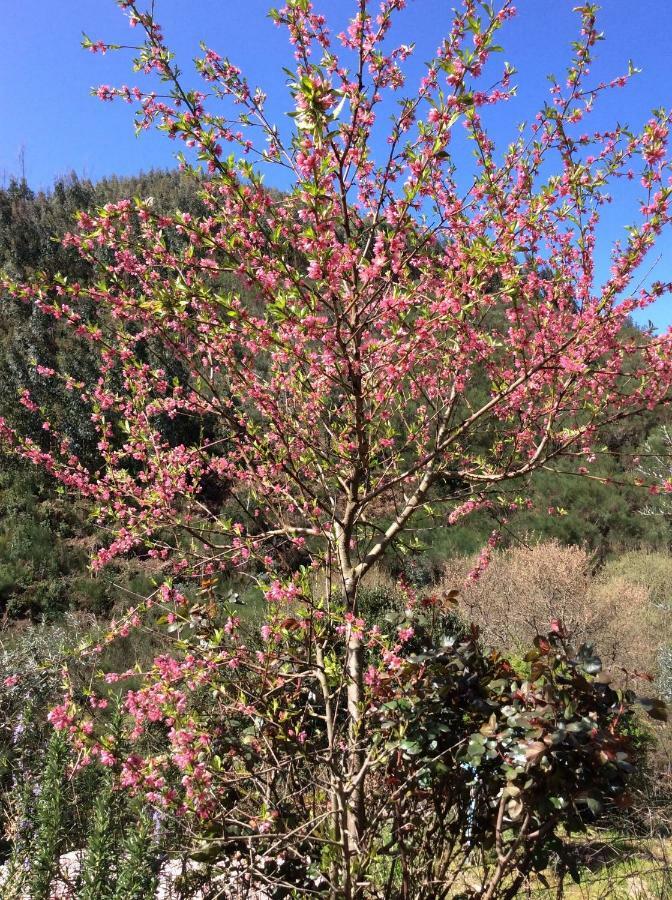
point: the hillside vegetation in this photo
(46, 539)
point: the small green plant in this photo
(137, 879)
(102, 848)
(49, 821)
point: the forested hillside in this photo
(46, 540)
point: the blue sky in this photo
(48, 112)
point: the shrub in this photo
(526, 587)
(522, 590)
(649, 570)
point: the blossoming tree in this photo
(379, 342)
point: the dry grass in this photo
(613, 868)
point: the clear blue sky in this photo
(45, 77)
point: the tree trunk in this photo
(355, 665)
(356, 805)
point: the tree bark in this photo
(356, 802)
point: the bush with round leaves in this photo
(490, 766)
